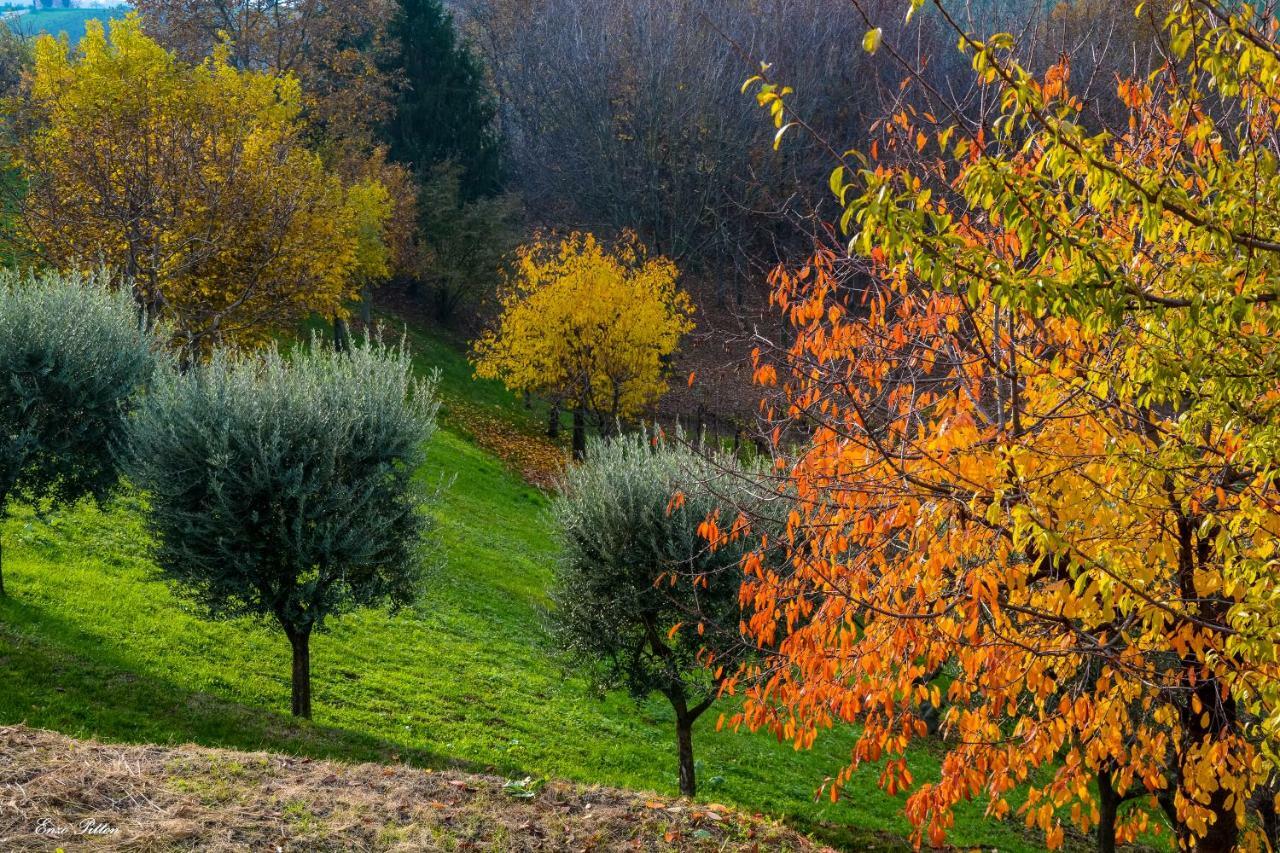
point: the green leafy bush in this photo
(466, 243)
(641, 599)
(287, 489)
(72, 356)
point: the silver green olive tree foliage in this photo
(289, 488)
(640, 600)
(72, 357)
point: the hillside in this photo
(55, 22)
(91, 645)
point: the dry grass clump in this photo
(58, 792)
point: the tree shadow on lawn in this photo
(49, 684)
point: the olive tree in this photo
(641, 601)
(287, 488)
(72, 355)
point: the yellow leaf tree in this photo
(372, 209)
(589, 327)
(192, 182)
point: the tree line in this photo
(283, 489)
(289, 489)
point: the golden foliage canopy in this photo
(193, 182)
(588, 325)
(1040, 488)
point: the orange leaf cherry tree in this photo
(1032, 415)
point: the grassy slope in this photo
(54, 22)
(91, 645)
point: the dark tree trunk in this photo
(1209, 714)
(341, 337)
(553, 420)
(1170, 810)
(1267, 811)
(1222, 834)
(366, 307)
(684, 747)
(446, 300)
(685, 718)
(1108, 805)
(300, 640)
(579, 434)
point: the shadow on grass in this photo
(49, 684)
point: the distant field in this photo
(58, 21)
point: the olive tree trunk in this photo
(685, 718)
(300, 641)
(341, 336)
(4, 515)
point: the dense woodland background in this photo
(565, 116)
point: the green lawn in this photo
(92, 645)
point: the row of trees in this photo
(241, 166)
(289, 490)
(609, 118)
(1037, 482)
(279, 489)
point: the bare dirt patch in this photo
(56, 792)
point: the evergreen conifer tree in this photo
(444, 110)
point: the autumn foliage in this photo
(1035, 430)
(192, 182)
(588, 326)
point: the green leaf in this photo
(837, 182)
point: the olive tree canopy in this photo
(72, 355)
(288, 488)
